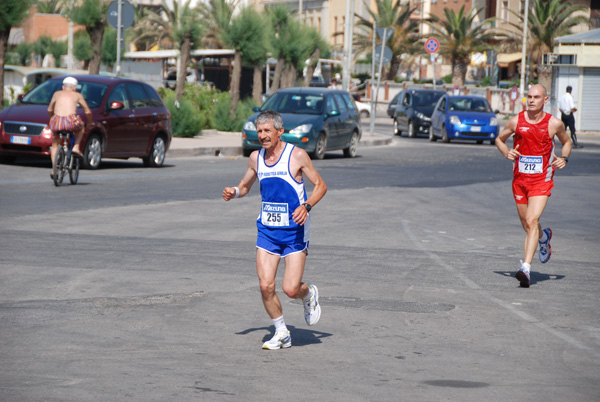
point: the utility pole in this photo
(348, 33)
(524, 53)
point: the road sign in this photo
(385, 31)
(514, 94)
(387, 55)
(127, 14)
(432, 45)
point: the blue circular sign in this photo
(432, 45)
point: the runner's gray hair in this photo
(270, 116)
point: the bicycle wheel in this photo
(74, 168)
(58, 171)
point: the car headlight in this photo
(455, 120)
(303, 129)
(249, 126)
(493, 121)
(422, 116)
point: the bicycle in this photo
(65, 159)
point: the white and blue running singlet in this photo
(281, 195)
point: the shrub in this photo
(186, 122)
(221, 119)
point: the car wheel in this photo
(319, 152)
(364, 114)
(411, 129)
(445, 137)
(492, 142)
(93, 152)
(431, 136)
(157, 153)
(479, 141)
(350, 152)
(396, 128)
(246, 152)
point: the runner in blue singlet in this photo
(283, 222)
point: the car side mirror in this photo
(334, 113)
(256, 109)
(497, 111)
(116, 106)
(20, 97)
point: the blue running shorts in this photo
(282, 250)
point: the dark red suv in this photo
(129, 120)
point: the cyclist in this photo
(63, 114)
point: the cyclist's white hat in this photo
(70, 80)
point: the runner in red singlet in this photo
(534, 162)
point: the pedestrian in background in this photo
(566, 104)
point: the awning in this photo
(504, 59)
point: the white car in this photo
(363, 108)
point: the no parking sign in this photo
(514, 94)
(432, 45)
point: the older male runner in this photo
(284, 221)
(534, 163)
(63, 114)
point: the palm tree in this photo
(460, 36)
(280, 19)
(49, 6)
(92, 15)
(318, 47)
(12, 13)
(547, 20)
(247, 36)
(217, 15)
(390, 14)
(180, 26)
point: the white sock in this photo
(544, 237)
(526, 266)
(309, 295)
(279, 324)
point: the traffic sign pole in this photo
(432, 45)
(119, 30)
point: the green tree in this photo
(247, 36)
(24, 50)
(460, 36)
(92, 15)
(405, 37)
(181, 25)
(217, 15)
(547, 20)
(109, 48)
(57, 49)
(48, 6)
(280, 18)
(81, 47)
(12, 13)
(318, 47)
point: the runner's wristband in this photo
(237, 192)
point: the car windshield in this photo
(294, 103)
(427, 98)
(92, 92)
(469, 105)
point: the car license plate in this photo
(476, 129)
(20, 140)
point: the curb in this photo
(238, 151)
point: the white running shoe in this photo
(545, 249)
(312, 309)
(280, 340)
(523, 276)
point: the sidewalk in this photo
(219, 143)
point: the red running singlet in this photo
(537, 151)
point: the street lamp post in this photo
(524, 53)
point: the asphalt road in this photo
(139, 284)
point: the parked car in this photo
(463, 117)
(364, 109)
(129, 120)
(413, 111)
(315, 119)
(392, 105)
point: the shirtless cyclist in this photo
(63, 114)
